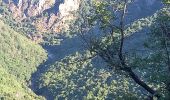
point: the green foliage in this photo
(140, 24)
(74, 78)
(19, 58)
(107, 44)
(154, 63)
(17, 54)
(166, 1)
(51, 39)
(11, 89)
(103, 14)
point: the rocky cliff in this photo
(50, 15)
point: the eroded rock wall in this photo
(51, 15)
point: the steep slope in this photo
(85, 80)
(19, 58)
(80, 81)
(11, 89)
(47, 19)
(54, 15)
(50, 15)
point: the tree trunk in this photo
(140, 82)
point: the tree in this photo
(158, 43)
(166, 1)
(108, 42)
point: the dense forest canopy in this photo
(85, 50)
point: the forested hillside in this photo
(19, 58)
(84, 50)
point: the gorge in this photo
(53, 77)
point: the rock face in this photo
(51, 15)
(69, 5)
